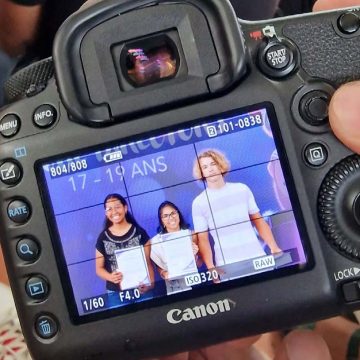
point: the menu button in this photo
(9, 125)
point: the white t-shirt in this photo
(225, 213)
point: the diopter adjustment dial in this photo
(339, 206)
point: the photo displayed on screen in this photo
(188, 209)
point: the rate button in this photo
(19, 211)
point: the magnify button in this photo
(28, 250)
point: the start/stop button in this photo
(278, 58)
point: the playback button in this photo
(37, 288)
(10, 173)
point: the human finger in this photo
(344, 115)
(303, 344)
(88, 3)
(181, 356)
(230, 350)
(334, 4)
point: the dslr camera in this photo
(169, 179)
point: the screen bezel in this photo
(77, 319)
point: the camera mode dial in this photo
(339, 206)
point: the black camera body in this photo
(144, 90)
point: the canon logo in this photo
(176, 316)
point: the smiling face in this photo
(170, 218)
(115, 211)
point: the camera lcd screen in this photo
(180, 213)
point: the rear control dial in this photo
(339, 206)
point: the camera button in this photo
(278, 59)
(315, 154)
(356, 209)
(19, 211)
(351, 291)
(9, 125)
(10, 173)
(37, 288)
(349, 23)
(314, 107)
(28, 250)
(46, 326)
(278, 56)
(44, 116)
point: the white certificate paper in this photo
(131, 263)
(179, 253)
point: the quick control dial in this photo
(339, 206)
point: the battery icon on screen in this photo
(114, 156)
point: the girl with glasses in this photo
(174, 249)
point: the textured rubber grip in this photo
(324, 53)
(29, 78)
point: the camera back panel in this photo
(114, 122)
